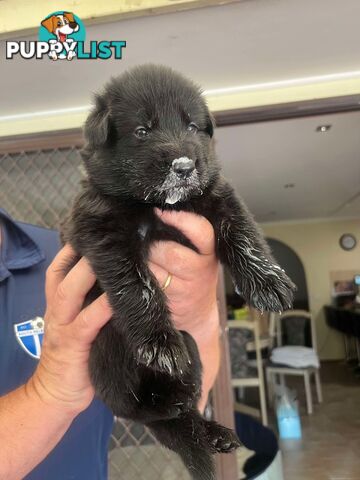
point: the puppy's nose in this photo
(183, 166)
(72, 24)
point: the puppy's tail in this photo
(195, 440)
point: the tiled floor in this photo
(330, 445)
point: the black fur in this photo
(141, 366)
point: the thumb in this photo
(195, 227)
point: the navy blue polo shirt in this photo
(25, 253)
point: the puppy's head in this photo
(61, 25)
(149, 138)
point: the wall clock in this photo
(347, 241)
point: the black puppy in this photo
(149, 143)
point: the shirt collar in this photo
(17, 249)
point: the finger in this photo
(91, 319)
(196, 228)
(178, 291)
(159, 272)
(56, 271)
(71, 292)
(176, 259)
(161, 276)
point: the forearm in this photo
(206, 335)
(29, 429)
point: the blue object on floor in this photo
(288, 420)
(256, 437)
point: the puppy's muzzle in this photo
(183, 167)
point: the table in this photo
(346, 321)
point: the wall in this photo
(317, 244)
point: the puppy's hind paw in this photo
(221, 439)
(166, 353)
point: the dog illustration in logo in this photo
(61, 25)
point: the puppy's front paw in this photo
(269, 290)
(165, 353)
(277, 294)
(71, 55)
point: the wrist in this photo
(206, 324)
(36, 390)
(207, 337)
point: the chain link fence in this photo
(38, 187)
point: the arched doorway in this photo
(293, 266)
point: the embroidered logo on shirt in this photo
(30, 336)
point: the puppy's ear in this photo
(69, 16)
(97, 127)
(210, 124)
(48, 23)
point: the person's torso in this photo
(82, 452)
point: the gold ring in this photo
(167, 282)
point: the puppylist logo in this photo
(62, 37)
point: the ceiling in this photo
(261, 158)
(245, 43)
(239, 44)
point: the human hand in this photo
(191, 293)
(62, 377)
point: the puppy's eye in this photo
(192, 127)
(141, 132)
